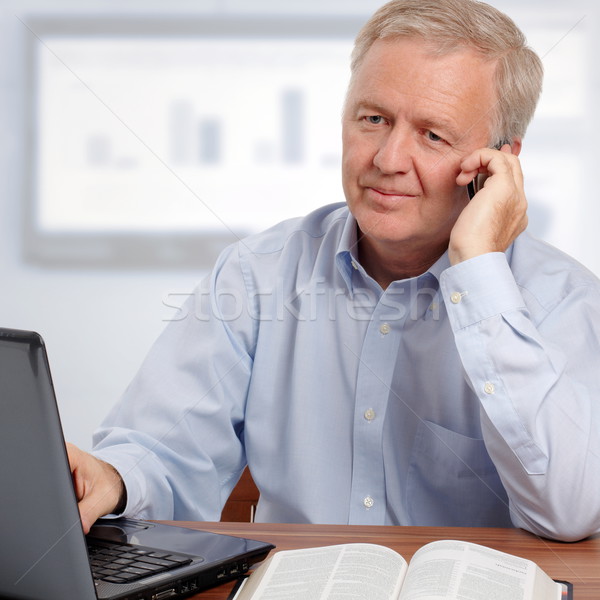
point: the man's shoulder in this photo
(297, 233)
(290, 249)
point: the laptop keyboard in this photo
(123, 563)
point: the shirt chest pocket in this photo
(453, 482)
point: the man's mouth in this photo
(392, 193)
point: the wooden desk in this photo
(578, 563)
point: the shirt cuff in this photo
(479, 288)
(134, 483)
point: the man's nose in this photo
(394, 154)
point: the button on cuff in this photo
(456, 297)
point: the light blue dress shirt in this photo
(466, 396)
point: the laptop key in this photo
(156, 561)
(113, 579)
(134, 571)
(147, 566)
(104, 572)
(128, 577)
(180, 560)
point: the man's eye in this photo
(375, 119)
(434, 137)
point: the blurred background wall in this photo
(138, 138)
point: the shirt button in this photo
(368, 502)
(354, 265)
(455, 297)
(369, 414)
(385, 329)
(489, 388)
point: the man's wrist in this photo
(122, 491)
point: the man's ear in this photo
(516, 146)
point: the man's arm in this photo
(98, 486)
(528, 342)
(175, 435)
(532, 357)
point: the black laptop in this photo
(44, 554)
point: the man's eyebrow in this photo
(443, 125)
(368, 103)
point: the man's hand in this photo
(498, 212)
(98, 487)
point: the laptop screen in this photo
(42, 539)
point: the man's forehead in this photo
(406, 66)
(412, 52)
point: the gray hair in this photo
(447, 25)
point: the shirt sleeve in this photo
(176, 435)
(534, 365)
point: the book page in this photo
(342, 572)
(453, 570)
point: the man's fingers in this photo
(89, 513)
(74, 454)
(489, 161)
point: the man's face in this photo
(410, 118)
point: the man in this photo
(409, 358)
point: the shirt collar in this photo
(347, 250)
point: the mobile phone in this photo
(477, 183)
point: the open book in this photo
(439, 570)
